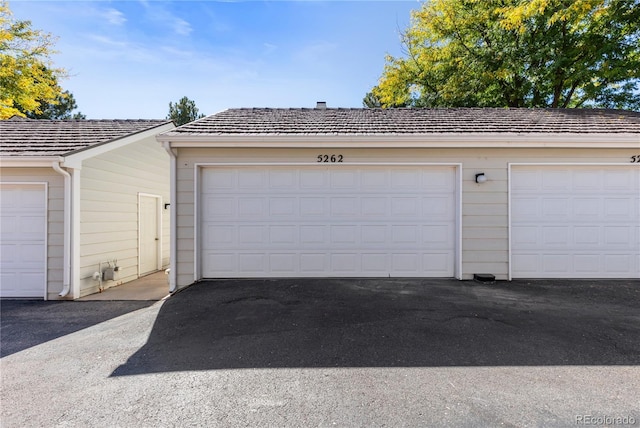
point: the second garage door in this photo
(575, 221)
(334, 221)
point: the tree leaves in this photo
(516, 53)
(184, 111)
(27, 77)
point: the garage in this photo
(333, 220)
(454, 192)
(575, 221)
(23, 237)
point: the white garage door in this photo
(22, 238)
(575, 221)
(297, 221)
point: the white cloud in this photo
(181, 27)
(159, 14)
(114, 17)
(269, 48)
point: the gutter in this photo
(173, 242)
(434, 140)
(66, 282)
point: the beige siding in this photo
(110, 184)
(484, 206)
(55, 216)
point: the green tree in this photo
(63, 108)
(371, 101)
(516, 53)
(27, 77)
(184, 111)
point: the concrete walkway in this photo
(150, 287)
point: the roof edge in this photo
(29, 161)
(444, 140)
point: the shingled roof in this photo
(408, 121)
(31, 137)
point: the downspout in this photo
(66, 282)
(173, 209)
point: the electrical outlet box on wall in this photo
(109, 274)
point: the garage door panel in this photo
(250, 234)
(219, 179)
(254, 180)
(285, 263)
(555, 208)
(438, 207)
(347, 221)
(619, 180)
(615, 263)
(313, 206)
(588, 263)
(375, 180)
(346, 206)
(585, 209)
(623, 208)
(374, 207)
(375, 262)
(554, 236)
(282, 207)
(583, 226)
(437, 263)
(224, 263)
(313, 263)
(587, 236)
(618, 236)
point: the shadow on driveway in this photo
(231, 324)
(27, 323)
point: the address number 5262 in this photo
(330, 158)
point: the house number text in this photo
(330, 158)
(635, 159)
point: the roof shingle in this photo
(409, 121)
(31, 137)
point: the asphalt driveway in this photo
(343, 353)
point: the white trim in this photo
(196, 220)
(66, 233)
(75, 160)
(325, 164)
(45, 185)
(458, 266)
(29, 162)
(439, 140)
(173, 226)
(46, 241)
(573, 164)
(158, 199)
(196, 208)
(75, 232)
(509, 218)
(510, 194)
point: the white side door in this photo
(149, 234)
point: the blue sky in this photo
(129, 59)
